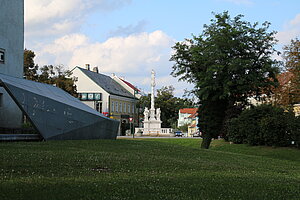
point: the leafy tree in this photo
(30, 68)
(168, 103)
(288, 92)
(228, 62)
(265, 125)
(292, 63)
(54, 75)
(184, 128)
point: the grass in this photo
(147, 169)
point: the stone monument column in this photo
(152, 123)
(152, 109)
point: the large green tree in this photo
(230, 61)
(168, 103)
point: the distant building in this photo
(105, 94)
(11, 57)
(184, 116)
(193, 128)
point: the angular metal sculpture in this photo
(57, 115)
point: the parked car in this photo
(196, 134)
(178, 134)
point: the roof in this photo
(192, 126)
(107, 83)
(195, 114)
(130, 85)
(188, 110)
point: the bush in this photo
(265, 125)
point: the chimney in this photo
(95, 69)
(87, 66)
(113, 75)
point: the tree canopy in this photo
(54, 75)
(228, 62)
(292, 63)
(288, 92)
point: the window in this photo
(112, 106)
(128, 108)
(98, 107)
(2, 56)
(121, 108)
(90, 96)
(125, 108)
(117, 107)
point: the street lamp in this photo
(135, 91)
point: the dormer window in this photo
(2, 56)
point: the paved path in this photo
(142, 137)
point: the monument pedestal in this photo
(152, 128)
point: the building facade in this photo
(11, 57)
(189, 117)
(105, 95)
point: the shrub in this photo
(265, 125)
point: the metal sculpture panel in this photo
(56, 114)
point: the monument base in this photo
(152, 128)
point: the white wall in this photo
(85, 85)
(12, 41)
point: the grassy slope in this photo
(147, 169)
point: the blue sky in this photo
(131, 37)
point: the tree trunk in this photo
(206, 141)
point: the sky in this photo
(132, 37)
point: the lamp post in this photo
(135, 91)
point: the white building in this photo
(104, 94)
(184, 116)
(128, 86)
(11, 57)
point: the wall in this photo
(183, 119)
(12, 42)
(85, 85)
(116, 114)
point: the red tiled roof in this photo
(188, 110)
(130, 85)
(192, 125)
(194, 115)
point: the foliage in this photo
(168, 104)
(289, 91)
(229, 62)
(265, 125)
(48, 74)
(184, 128)
(146, 169)
(30, 68)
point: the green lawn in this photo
(146, 169)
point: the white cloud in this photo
(131, 55)
(291, 31)
(44, 18)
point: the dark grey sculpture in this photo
(57, 115)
